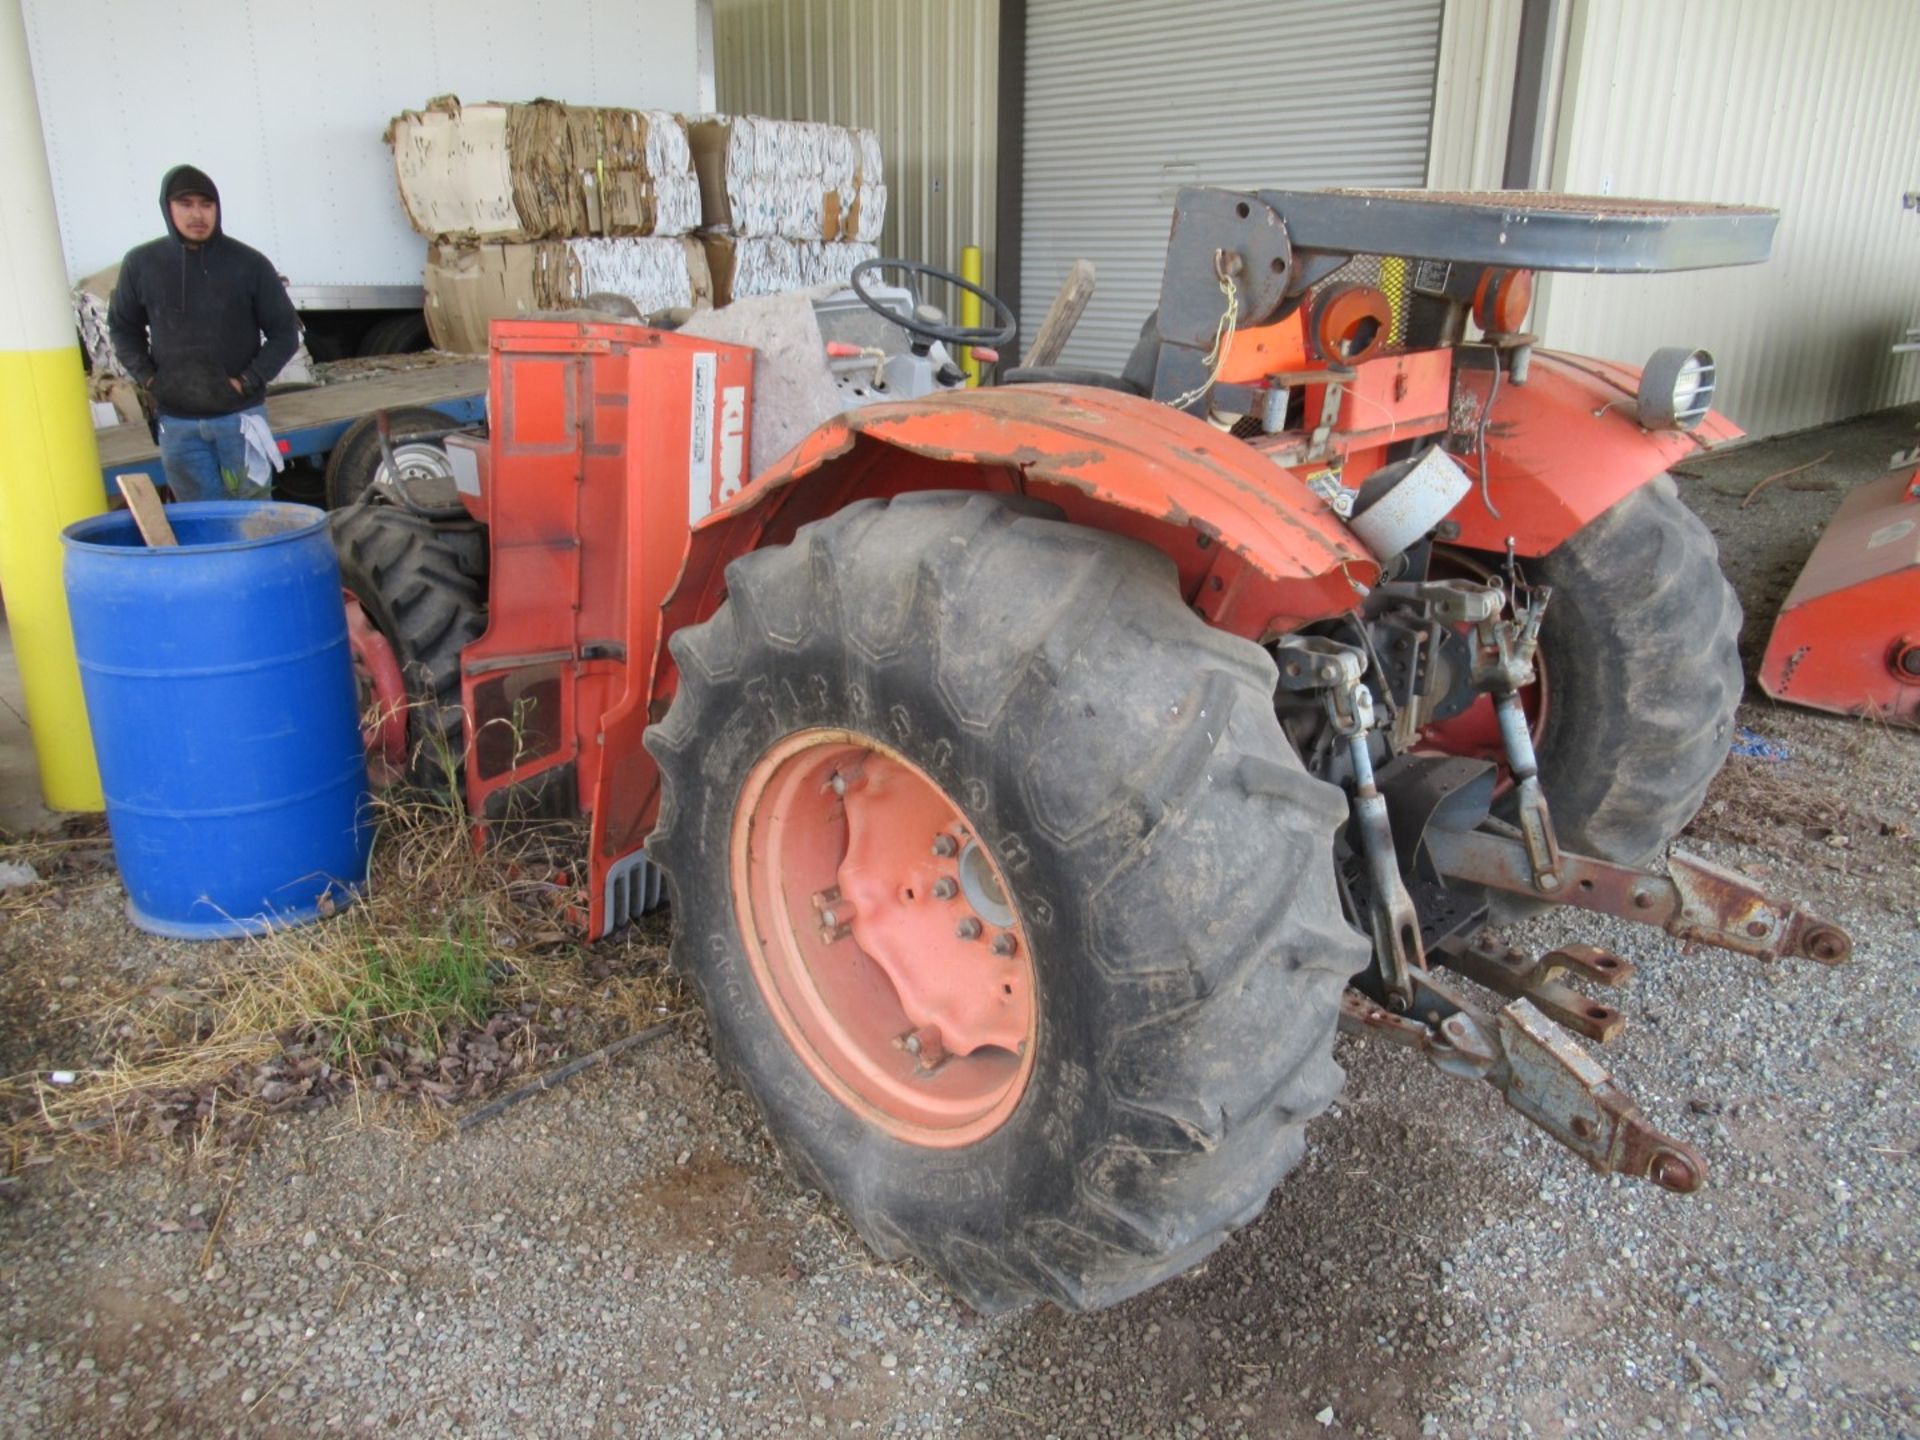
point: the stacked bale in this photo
(538, 206)
(785, 204)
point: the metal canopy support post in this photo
(1526, 162)
(49, 466)
(1009, 176)
(704, 57)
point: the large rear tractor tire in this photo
(1008, 900)
(1641, 654)
(421, 589)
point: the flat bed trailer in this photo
(308, 423)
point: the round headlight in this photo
(1676, 388)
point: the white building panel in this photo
(284, 106)
(1807, 108)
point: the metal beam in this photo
(1527, 122)
(1011, 161)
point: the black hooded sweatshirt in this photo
(187, 318)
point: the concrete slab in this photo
(21, 810)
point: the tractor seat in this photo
(1069, 375)
(1136, 379)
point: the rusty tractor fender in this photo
(1257, 553)
(1562, 449)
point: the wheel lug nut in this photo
(968, 929)
(1005, 944)
(927, 1043)
(945, 889)
(945, 846)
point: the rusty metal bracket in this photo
(1544, 1075)
(1457, 1044)
(1518, 975)
(1566, 1092)
(1694, 901)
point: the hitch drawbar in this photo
(1547, 1078)
(1541, 1072)
(1695, 901)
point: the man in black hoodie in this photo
(188, 318)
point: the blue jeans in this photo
(207, 459)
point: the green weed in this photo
(411, 987)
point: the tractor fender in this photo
(1257, 553)
(1562, 450)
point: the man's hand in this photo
(238, 387)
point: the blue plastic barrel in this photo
(221, 695)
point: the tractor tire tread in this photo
(412, 577)
(1644, 678)
(1208, 931)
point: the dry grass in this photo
(458, 970)
(1781, 805)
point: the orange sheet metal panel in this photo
(1263, 350)
(1848, 637)
(1563, 449)
(608, 442)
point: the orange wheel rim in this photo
(883, 936)
(382, 691)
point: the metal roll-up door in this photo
(1128, 100)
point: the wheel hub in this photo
(881, 933)
(420, 471)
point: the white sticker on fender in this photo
(1887, 534)
(706, 366)
(733, 440)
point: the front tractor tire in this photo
(1008, 900)
(420, 587)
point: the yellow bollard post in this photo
(49, 464)
(970, 309)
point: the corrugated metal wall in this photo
(922, 73)
(1800, 106)
(1128, 100)
(1473, 93)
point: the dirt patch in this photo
(1828, 795)
(707, 1201)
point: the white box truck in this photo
(284, 104)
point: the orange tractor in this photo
(1041, 774)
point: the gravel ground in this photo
(626, 1256)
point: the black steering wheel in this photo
(960, 335)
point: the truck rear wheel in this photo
(1008, 900)
(421, 591)
(356, 462)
